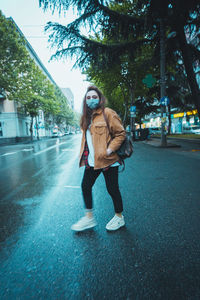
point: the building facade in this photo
(69, 95)
(181, 122)
(15, 125)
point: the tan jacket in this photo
(101, 138)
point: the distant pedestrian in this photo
(98, 154)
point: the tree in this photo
(34, 93)
(22, 80)
(13, 57)
(129, 24)
(122, 83)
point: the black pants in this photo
(111, 179)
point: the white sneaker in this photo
(115, 223)
(84, 223)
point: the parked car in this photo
(57, 134)
(194, 129)
(60, 133)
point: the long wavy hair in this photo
(86, 111)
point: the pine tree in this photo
(128, 25)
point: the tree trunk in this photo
(169, 119)
(125, 113)
(162, 80)
(31, 128)
(37, 129)
(187, 59)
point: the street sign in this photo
(149, 80)
(133, 109)
(164, 101)
(133, 114)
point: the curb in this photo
(180, 139)
(169, 145)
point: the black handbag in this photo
(126, 148)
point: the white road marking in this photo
(47, 149)
(9, 153)
(27, 149)
(54, 146)
(72, 186)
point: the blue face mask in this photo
(92, 103)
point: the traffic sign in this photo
(149, 80)
(133, 114)
(164, 101)
(133, 109)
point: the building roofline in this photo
(33, 51)
(30, 48)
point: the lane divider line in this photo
(26, 149)
(9, 153)
(72, 186)
(47, 149)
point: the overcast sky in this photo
(31, 20)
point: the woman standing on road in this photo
(98, 154)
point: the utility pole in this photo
(162, 83)
(132, 119)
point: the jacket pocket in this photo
(100, 128)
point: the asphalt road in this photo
(155, 256)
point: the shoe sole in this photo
(113, 229)
(88, 227)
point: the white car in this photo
(195, 130)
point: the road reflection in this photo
(30, 180)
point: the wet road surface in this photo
(157, 254)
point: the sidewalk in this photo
(156, 142)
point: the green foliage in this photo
(122, 83)
(126, 34)
(13, 56)
(23, 81)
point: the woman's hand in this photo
(108, 151)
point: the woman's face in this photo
(92, 95)
(92, 99)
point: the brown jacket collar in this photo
(97, 111)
